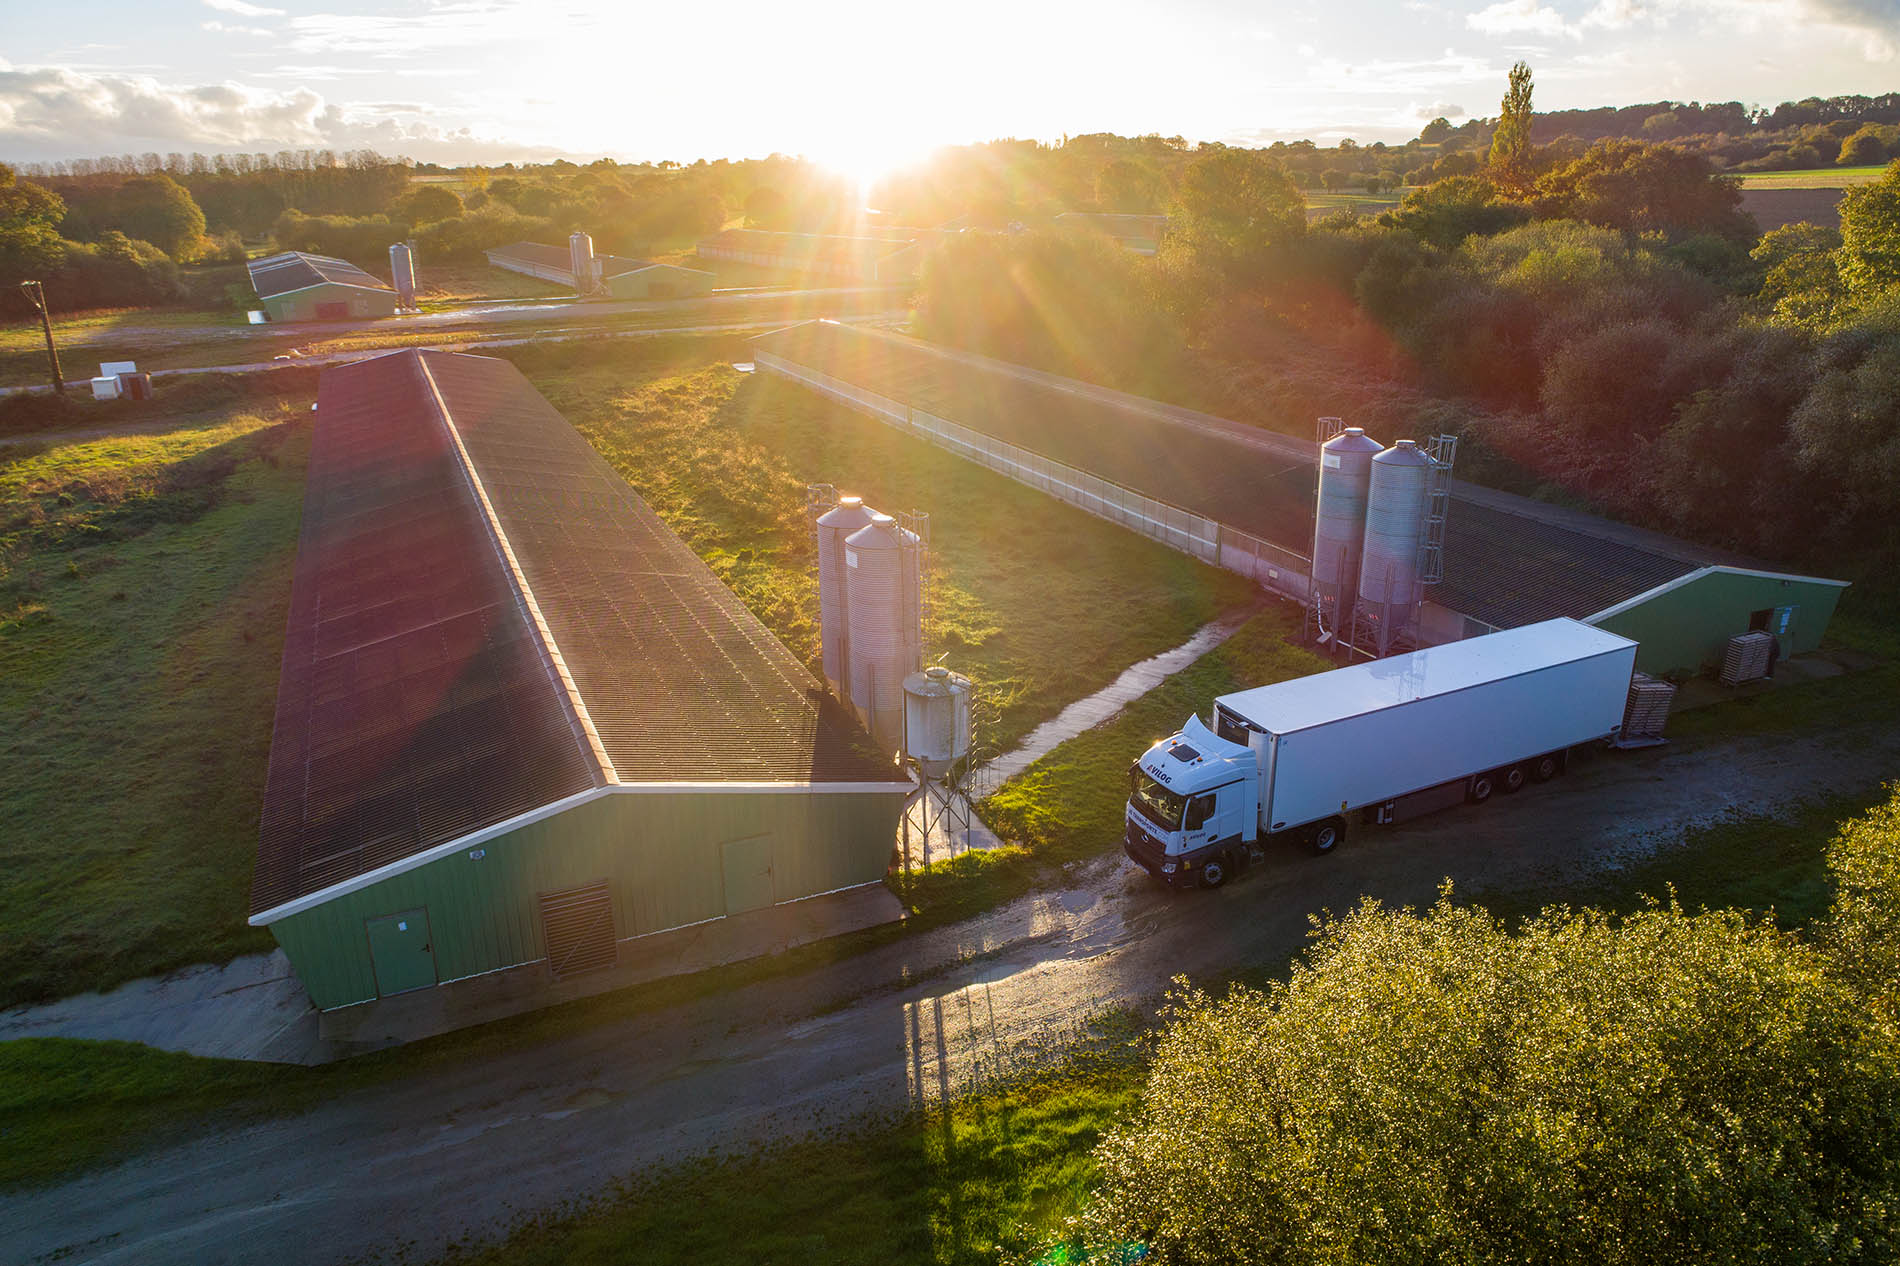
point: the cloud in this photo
(1512, 17)
(49, 112)
(242, 9)
(451, 24)
(1401, 76)
(230, 29)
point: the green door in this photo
(748, 873)
(400, 950)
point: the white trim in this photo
(763, 788)
(403, 865)
(1698, 574)
(557, 664)
(347, 285)
(474, 839)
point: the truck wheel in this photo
(1481, 787)
(1327, 836)
(1512, 780)
(1214, 872)
(1546, 767)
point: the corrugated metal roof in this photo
(558, 257)
(415, 703)
(1509, 561)
(295, 270)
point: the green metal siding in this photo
(1685, 629)
(662, 855)
(301, 305)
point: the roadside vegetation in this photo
(1659, 1086)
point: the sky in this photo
(868, 87)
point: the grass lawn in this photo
(1813, 178)
(445, 285)
(143, 585)
(1039, 603)
(1319, 204)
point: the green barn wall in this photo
(301, 305)
(660, 853)
(1686, 629)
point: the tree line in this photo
(1603, 326)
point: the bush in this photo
(1665, 1088)
(463, 238)
(362, 239)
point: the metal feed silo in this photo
(1397, 504)
(936, 719)
(1339, 516)
(834, 525)
(402, 272)
(580, 259)
(883, 623)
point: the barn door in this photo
(400, 951)
(579, 926)
(748, 866)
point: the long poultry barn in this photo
(1508, 561)
(519, 721)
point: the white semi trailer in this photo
(1378, 742)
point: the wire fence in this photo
(1281, 570)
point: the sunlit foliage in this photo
(1666, 1087)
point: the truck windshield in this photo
(1156, 803)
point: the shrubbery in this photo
(1666, 1087)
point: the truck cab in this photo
(1193, 807)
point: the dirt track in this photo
(460, 1155)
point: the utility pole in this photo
(36, 295)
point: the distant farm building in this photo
(895, 256)
(1242, 497)
(1138, 233)
(613, 275)
(519, 721)
(295, 286)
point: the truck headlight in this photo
(1167, 868)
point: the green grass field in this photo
(1038, 602)
(1813, 178)
(1320, 204)
(142, 599)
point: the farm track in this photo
(416, 1165)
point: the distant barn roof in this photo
(447, 505)
(1509, 561)
(295, 270)
(558, 257)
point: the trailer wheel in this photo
(1481, 787)
(1512, 780)
(1327, 835)
(1546, 767)
(1214, 871)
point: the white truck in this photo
(1381, 741)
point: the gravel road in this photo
(459, 1155)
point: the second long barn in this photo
(519, 720)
